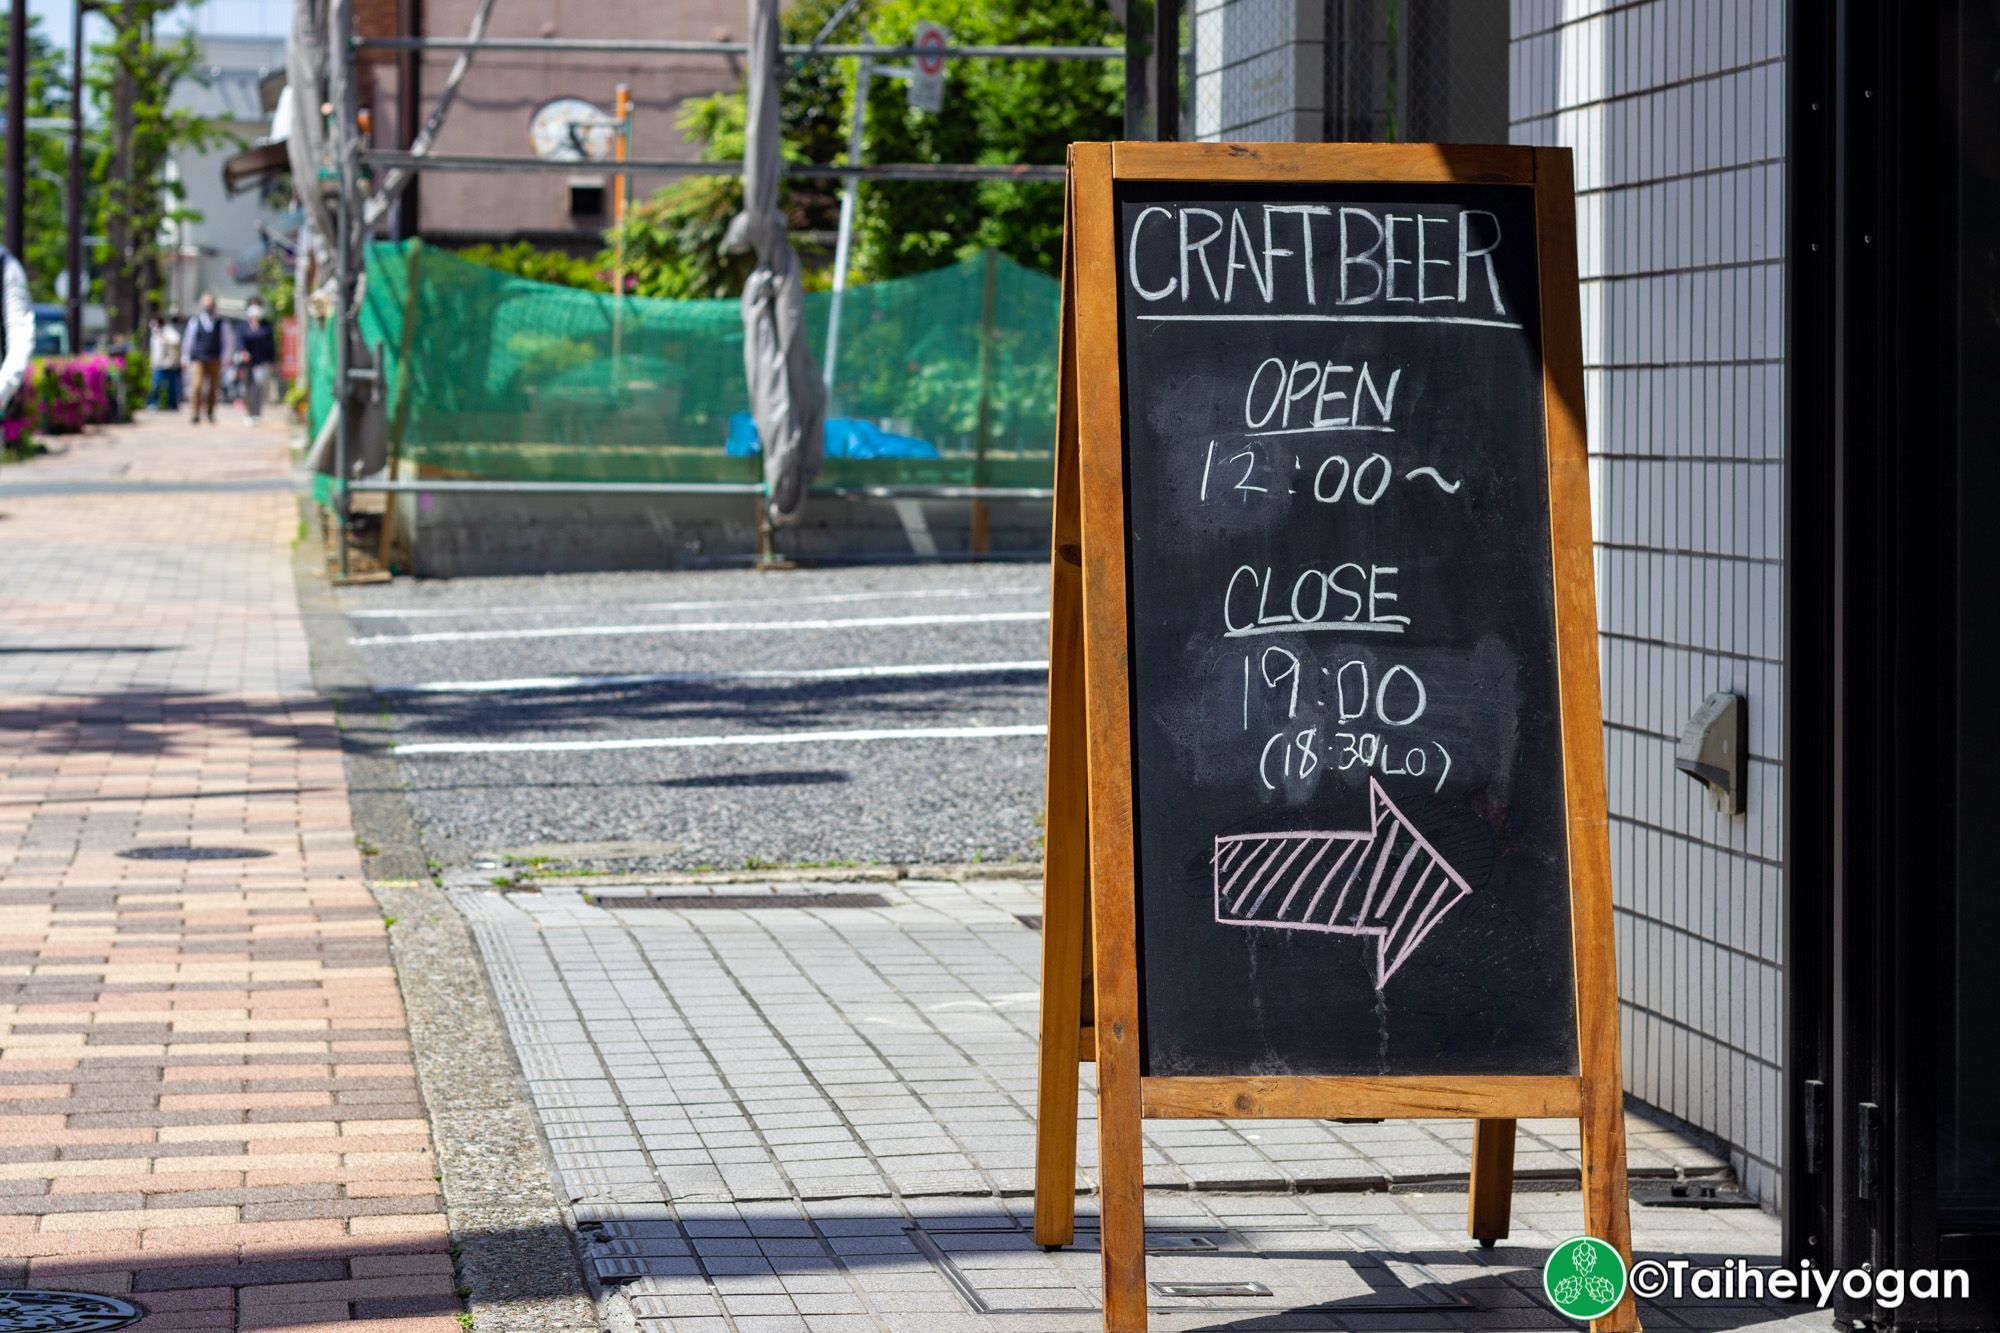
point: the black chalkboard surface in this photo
(1347, 760)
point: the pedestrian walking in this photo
(164, 352)
(256, 351)
(201, 345)
(17, 336)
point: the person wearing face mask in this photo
(201, 347)
(164, 353)
(256, 350)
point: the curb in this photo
(515, 1247)
(953, 872)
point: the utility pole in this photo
(409, 110)
(75, 261)
(857, 131)
(621, 111)
(340, 93)
(1153, 69)
(17, 128)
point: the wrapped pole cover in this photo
(787, 396)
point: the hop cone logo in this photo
(1584, 1277)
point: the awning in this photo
(254, 166)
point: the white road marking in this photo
(711, 742)
(530, 683)
(415, 613)
(699, 627)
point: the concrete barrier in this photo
(453, 534)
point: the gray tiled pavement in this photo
(821, 1119)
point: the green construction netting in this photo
(509, 378)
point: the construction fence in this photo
(943, 379)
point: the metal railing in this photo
(462, 486)
(392, 159)
(692, 48)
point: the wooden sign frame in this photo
(1090, 990)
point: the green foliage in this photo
(132, 77)
(545, 355)
(523, 260)
(277, 288)
(995, 111)
(673, 241)
(48, 162)
(671, 245)
(136, 376)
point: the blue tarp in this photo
(846, 437)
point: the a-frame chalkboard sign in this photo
(1326, 830)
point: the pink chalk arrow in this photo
(1386, 881)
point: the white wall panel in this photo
(1256, 72)
(1674, 110)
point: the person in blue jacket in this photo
(201, 348)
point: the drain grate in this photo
(1211, 1289)
(192, 853)
(64, 1312)
(743, 902)
(1692, 1194)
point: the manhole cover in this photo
(192, 853)
(64, 1312)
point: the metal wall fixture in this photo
(1714, 750)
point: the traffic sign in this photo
(927, 72)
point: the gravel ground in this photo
(918, 800)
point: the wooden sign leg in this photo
(1093, 246)
(1607, 1207)
(1056, 1097)
(1066, 829)
(1065, 912)
(1490, 1206)
(1122, 1192)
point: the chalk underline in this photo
(713, 742)
(529, 684)
(1314, 430)
(1324, 626)
(701, 627)
(1330, 319)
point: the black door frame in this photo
(1870, 662)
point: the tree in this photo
(45, 243)
(672, 244)
(133, 77)
(995, 111)
(673, 241)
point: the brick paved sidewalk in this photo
(206, 1096)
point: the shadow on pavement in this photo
(152, 722)
(772, 707)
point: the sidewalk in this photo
(207, 1101)
(785, 1115)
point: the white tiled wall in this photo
(1258, 70)
(1675, 111)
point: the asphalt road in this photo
(722, 719)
